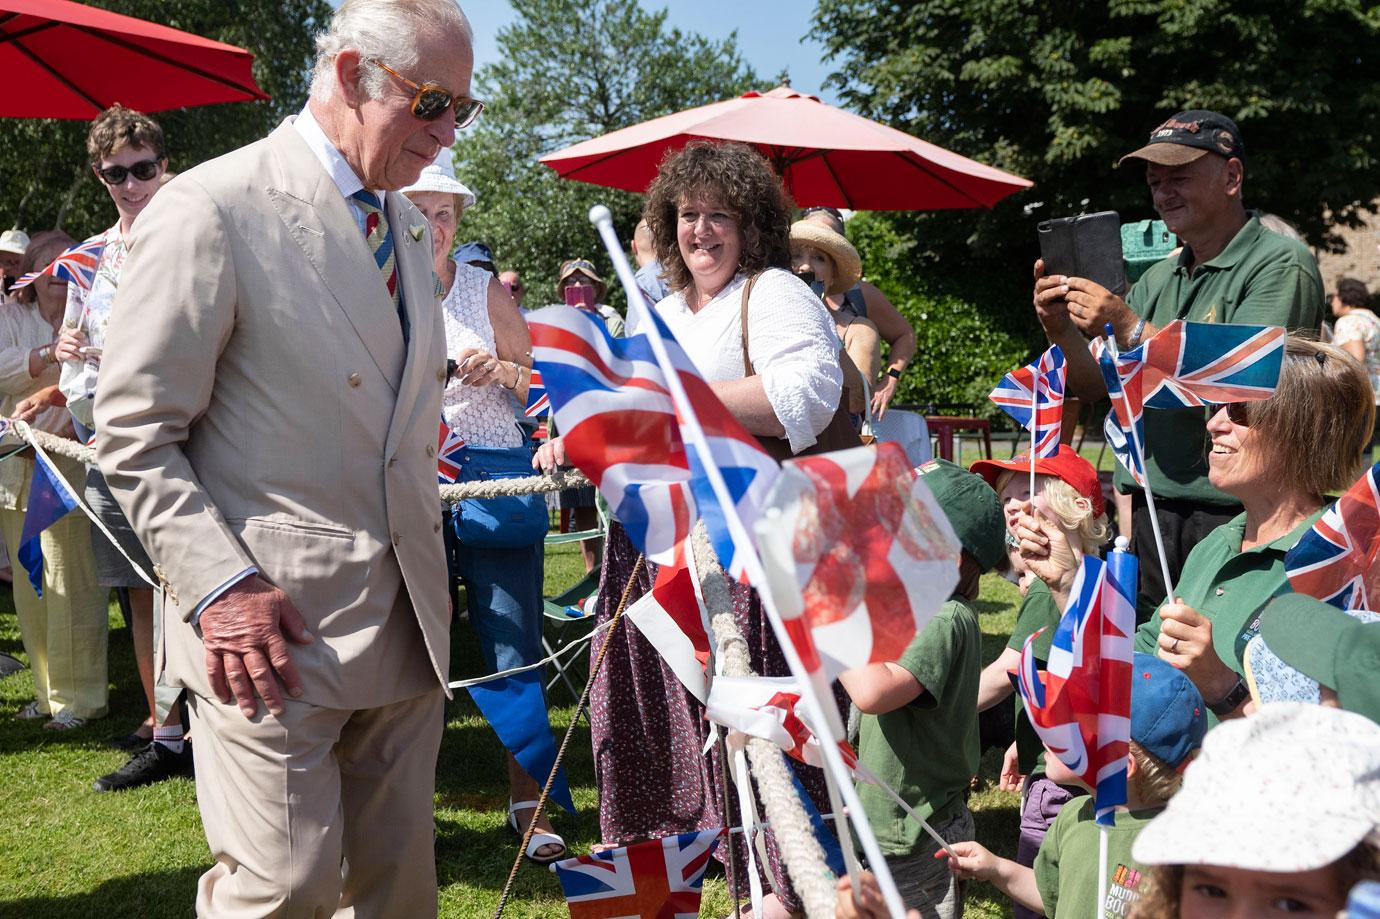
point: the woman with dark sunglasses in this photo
(128, 157)
(1280, 457)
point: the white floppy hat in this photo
(15, 241)
(440, 176)
(1292, 788)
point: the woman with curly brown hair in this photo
(767, 346)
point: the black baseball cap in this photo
(1189, 136)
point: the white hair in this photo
(387, 30)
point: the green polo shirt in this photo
(1260, 278)
(928, 749)
(1038, 611)
(1229, 587)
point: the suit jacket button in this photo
(430, 450)
(441, 375)
(436, 527)
(353, 379)
(397, 537)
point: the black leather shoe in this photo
(153, 763)
(130, 743)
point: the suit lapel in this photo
(319, 221)
(414, 261)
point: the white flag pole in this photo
(1034, 428)
(824, 716)
(1145, 470)
(1101, 870)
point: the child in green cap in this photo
(919, 730)
(1168, 722)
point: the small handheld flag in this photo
(49, 502)
(1338, 560)
(1034, 397)
(658, 879)
(1081, 706)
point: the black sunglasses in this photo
(430, 101)
(1239, 413)
(142, 170)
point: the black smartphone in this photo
(1085, 246)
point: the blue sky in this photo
(771, 33)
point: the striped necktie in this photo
(380, 240)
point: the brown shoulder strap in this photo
(743, 325)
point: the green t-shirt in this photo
(1066, 865)
(1229, 587)
(926, 750)
(1038, 611)
(1260, 278)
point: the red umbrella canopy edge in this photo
(825, 155)
(68, 60)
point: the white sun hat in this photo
(15, 241)
(440, 176)
(1292, 788)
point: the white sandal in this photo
(538, 839)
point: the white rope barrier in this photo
(491, 488)
(795, 837)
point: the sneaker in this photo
(152, 764)
(64, 721)
(31, 712)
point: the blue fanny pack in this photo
(507, 522)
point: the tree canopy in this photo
(44, 160)
(1057, 93)
(572, 71)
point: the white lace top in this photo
(482, 415)
(791, 341)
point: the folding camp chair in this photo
(569, 619)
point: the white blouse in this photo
(791, 342)
(483, 415)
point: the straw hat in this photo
(440, 176)
(847, 263)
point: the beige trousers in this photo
(65, 631)
(319, 813)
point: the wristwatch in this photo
(893, 373)
(1232, 700)
(45, 354)
(1136, 333)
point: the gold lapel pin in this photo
(417, 231)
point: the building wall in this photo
(1361, 260)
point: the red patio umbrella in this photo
(67, 60)
(825, 155)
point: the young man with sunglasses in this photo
(269, 425)
(128, 156)
(1231, 269)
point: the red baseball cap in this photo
(1066, 465)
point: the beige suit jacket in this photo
(257, 406)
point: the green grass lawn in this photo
(66, 851)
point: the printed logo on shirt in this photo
(1124, 891)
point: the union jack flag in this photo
(657, 879)
(623, 430)
(25, 280)
(1040, 384)
(450, 454)
(1336, 561)
(78, 264)
(1188, 364)
(1081, 706)
(1117, 427)
(538, 402)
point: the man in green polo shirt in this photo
(1232, 270)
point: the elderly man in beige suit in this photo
(267, 418)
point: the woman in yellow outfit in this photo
(64, 631)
